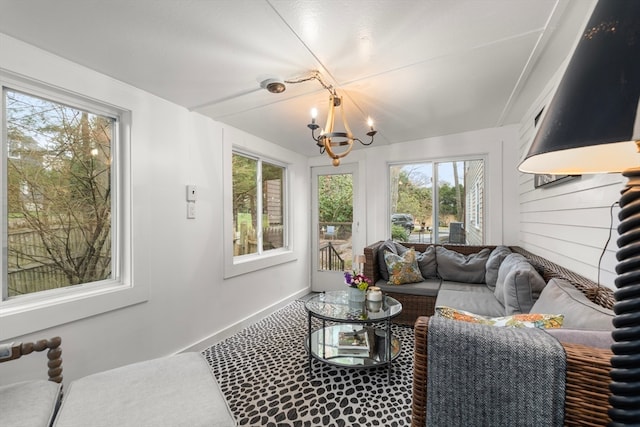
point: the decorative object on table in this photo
(593, 126)
(358, 284)
(356, 295)
(354, 342)
(374, 293)
(374, 306)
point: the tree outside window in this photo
(444, 198)
(59, 194)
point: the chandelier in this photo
(337, 144)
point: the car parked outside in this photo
(404, 220)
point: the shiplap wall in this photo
(569, 222)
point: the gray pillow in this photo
(393, 247)
(493, 265)
(427, 263)
(457, 267)
(560, 296)
(518, 285)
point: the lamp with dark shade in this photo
(592, 125)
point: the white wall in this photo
(569, 223)
(190, 305)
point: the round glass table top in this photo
(335, 305)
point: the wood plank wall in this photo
(569, 222)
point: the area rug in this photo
(263, 374)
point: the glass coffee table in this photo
(352, 334)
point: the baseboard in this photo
(240, 325)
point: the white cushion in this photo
(175, 391)
(29, 403)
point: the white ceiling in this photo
(420, 68)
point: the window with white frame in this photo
(437, 202)
(63, 210)
(258, 205)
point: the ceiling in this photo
(419, 68)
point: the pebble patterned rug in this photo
(263, 374)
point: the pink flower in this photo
(357, 280)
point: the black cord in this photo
(604, 249)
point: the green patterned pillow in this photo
(403, 268)
(528, 320)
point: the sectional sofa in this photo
(483, 286)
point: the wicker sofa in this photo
(587, 367)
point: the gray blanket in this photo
(482, 375)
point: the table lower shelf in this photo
(329, 352)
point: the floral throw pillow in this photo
(403, 268)
(528, 320)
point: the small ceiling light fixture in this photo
(273, 85)
(329, 139)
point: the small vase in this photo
(356, 295)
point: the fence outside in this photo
(30, 267)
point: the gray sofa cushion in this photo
(467, 287)
(427, 263)
(560, 296)
(393, 247)
(493, 265)
(172, 391)
(482, 301)
(29, 403)
(518, 285)
(458, 267)
(428, 287)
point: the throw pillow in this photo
(528, 320)
(579, 311)
(458, 267)
(427, 262)
(518, 285)
(493, 265)
(403, 268)
(393, 247)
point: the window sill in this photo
(237, 266)
(24, 316)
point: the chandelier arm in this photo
(366, 143)
(313, 135)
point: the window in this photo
(258, 205)
(63, 219)
(440, 213)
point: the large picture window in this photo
(438, 202)
(59, 194)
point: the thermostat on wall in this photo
(192, 194)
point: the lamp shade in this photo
(593, 121)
